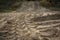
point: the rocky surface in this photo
(32, 23)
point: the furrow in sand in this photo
(47, 22)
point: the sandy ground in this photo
(40, 24)
(29, 26)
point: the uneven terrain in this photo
(30, 22)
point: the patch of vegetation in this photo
(50, 3)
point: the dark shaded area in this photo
(2, 35)
(45, 39)
(9, 5)
(1, 38)
(51, 2)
